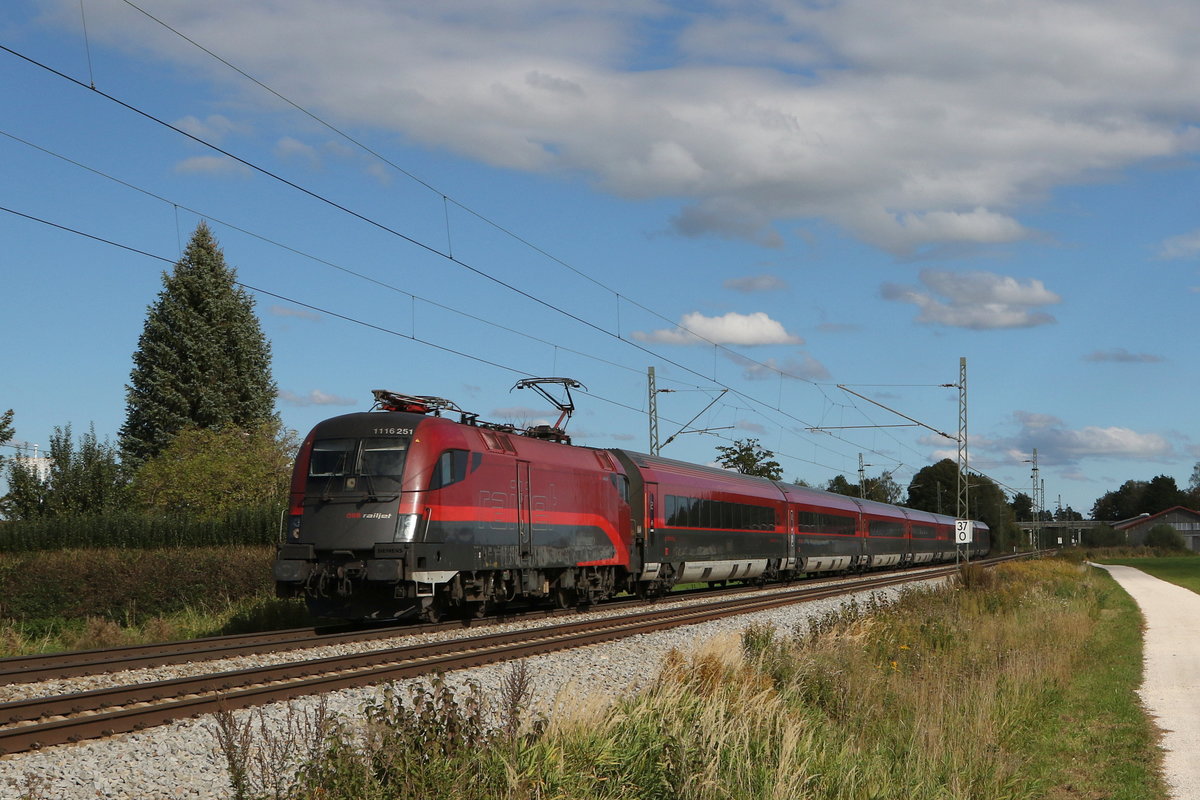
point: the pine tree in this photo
(202, 359)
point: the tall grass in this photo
(949, 693)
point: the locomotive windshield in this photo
(336, 465)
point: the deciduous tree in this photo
(82, 479)
(206, 472)
(749, 458)
(934, 488)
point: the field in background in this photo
(1181, 570)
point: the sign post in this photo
(964, 532)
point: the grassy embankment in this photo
(1019, 685)
(55, 600)
(1181, 570)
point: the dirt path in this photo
(1171, 677)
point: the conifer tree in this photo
(202, 359)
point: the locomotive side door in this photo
(524, 511)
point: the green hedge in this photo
(138, 530)
(129, 585)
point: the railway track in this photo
(55, 666)
(41, 722)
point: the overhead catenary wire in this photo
(412, 240)
(335, 314)
(448, 256)
(347, 270)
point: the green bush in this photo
(1166, 537)
(132, 529)
(129, 585)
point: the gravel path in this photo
(1171, 679)
(181, 760)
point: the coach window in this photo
(880, 527)
(451, 468)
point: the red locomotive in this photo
(401, 512)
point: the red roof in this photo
(1130, 523)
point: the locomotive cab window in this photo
(379, 461)
(383, 457)
(331, 457)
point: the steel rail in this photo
(57, 666)
(42, 722)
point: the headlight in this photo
(406, 528)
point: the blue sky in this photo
(774, 198)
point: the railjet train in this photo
(401, 512)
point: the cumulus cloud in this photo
(522, 415)
(1119, 355)
(1185, 246)
(315, 398)
(911, 125)
(212, 128)
(804, 368)
(1058, 444)
(976, 300)
(733, 328)
(289, 148)
(756, 283)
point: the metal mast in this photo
(963, 484)
(1037, 511)
(653, 412)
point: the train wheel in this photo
(565, 598)
(432, 611)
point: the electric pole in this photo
(653, 412)
(963, 508)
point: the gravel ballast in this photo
(182, 760)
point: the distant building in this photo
(1184, 520)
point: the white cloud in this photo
(315, 398)
(752, 329)
(522, 415)
(805, 368)
(911, 124)
(756, 283)
(976, 300)
(212, 128)
(293, 149)
(1184, 246)
(1058, 444)
(1120, 355)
